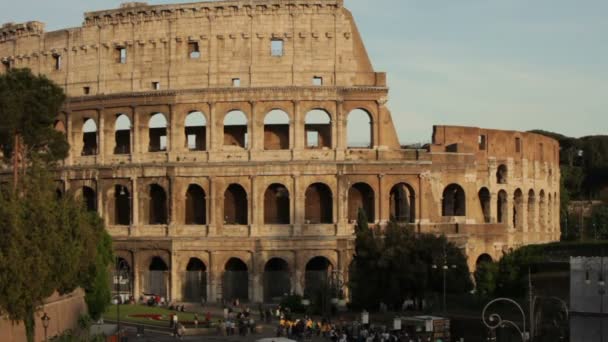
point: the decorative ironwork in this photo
(494, 321)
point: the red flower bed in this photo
(155, 317)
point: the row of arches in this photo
(277, 278)
(277, 204)
(317, 131)
(454, 204)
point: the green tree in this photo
(54, 244)
(363, 278)
(28, 107)
(485, 279)
(598, 222)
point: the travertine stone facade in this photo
(203, 207)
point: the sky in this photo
(506, 64)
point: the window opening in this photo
(193, 50)
(276, 48)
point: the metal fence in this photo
(194, 286)
(235, 284)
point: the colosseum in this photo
(215, 140)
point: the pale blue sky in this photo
(510, 64)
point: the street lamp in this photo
(444, 269)
(494, 320)
(45, 323)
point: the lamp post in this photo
(494, 320)
(45, 323)
(444, 269)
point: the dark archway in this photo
(195, 281)
(158, 277)
(454, 201)
(157, 132)
(277, 281)
(542, 211)
(316, 275)
(235, 205)
(89, 138)
(501, 207)
(518, 210)
(157, 207)
(501, 174)
(122, 135)
(235, 284)
(276, 130)
(484, 202)
(122, 206)
(532, 226)
(483, 259)
(122, 280)
(196, 131)
(196, 206)
(319, 204)
(89, 197)
(235, 129)
(317, 128)
(276, 205)
(361, 196)
(403, 203)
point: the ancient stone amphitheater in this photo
(216, 141)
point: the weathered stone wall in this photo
(63, 312)
(487, 190)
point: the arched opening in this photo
(58, 194)
(196, 206)
(122, 284)
(483, 259)
(316, 276)
(501, 174)
(317, 128)
(89, 138)
(196, 131)
(501, 207)
(403, 203)
(542, 211)
(484, 202)
(195, 283)
(276, 205)
(454, 201)
(89, 197)
(157, 206)
(361, 196)
(235, 205)
(276, 280)
(122, 206)
(157, 133)
(518, 210)
(276, 130)
(532, 226)
(318, 206)
(359, 129)
(235, 284)
(122, 135)
(158, 277)
(235, 129)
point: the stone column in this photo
(134, 203)
(379, 200)
(68, 132)
(101, 132)
(135, 148)
(255, 130)
(213, 129)
(298, 127)
(339, 142)
(100, 202)
(257, 278)
(173, 281)
(297, 275)
(136, 277)
(523, 215)
(254, 218)
(213, 293)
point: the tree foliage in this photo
(50, 244)
(28, 107)
(395, 264)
